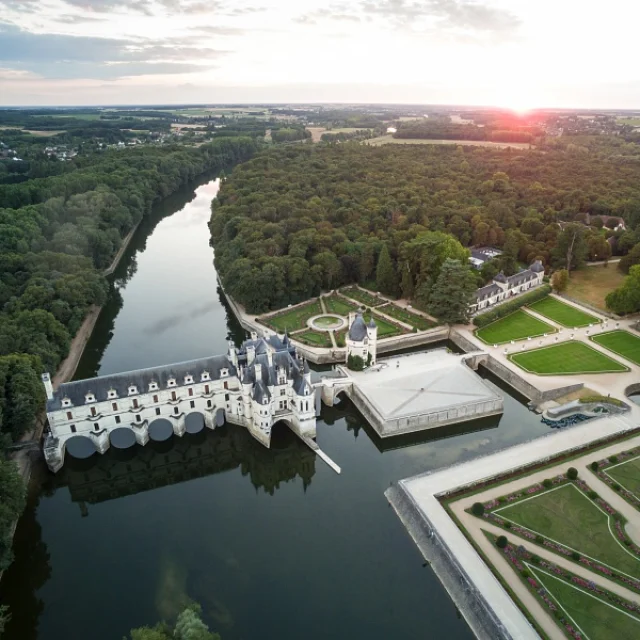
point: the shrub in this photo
(547, 483)
(501, 542)
(613, 459)
(477, 509)
(616, 486)
(507, 524)
(594, 466)
(355, 363)
(524, 573)
(539, 539)
(603, 399)
(535, 559)
(502, 499)
(593, 495)
(575, 556)
(572, 473)
(506, 308)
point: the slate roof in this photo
(486, 292)
(520, 278)
(537, 267)
(141, 378)
(501, 278)
(260, 392)
(371, 324)
(358, 329)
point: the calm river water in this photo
(271, 543)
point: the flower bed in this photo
(526, 563)
(539, 539)
(601, 470)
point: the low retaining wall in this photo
(471, 603)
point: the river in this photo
(272, 543)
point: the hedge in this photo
(506, 308)
(603, 399)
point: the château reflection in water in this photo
(123, 472)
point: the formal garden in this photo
(293, 319)
(564, 314)
(622, 473)
(566, 358)
(582, 608)
(620, 342)
(518, 325)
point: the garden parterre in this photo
(563, 313)
(566, 358)
(622, 343)
(516, 326)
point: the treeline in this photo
(295, 220)
(343, 136)
(290, 133)
(58, 233)
(438, 130)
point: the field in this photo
(568, 517)
(566, 358)
(419, 322)
(627, 474)
(363, 297)
(314, 338)
(595, 618)
(515, 326)
(316, 133)
(592, 284)
(632, 122)
(389, 139)
(294, 319)
(562, 313)
(621, 342)
(337, 304)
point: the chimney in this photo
(233, 354)
(257, 367)
(48, 387)
(254, 335)
(270, 357)
(251, 354)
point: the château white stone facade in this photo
(255, 386)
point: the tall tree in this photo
(386, 277)
(560, 280)
(626, 298)
(453, 292)
(571, 248)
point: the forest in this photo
(439, 129)
(295, 220)
(57, 235)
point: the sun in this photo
(520, 100)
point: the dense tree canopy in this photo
(298, 219)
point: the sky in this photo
(519, 54)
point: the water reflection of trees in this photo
(27, 574)
(119, 473)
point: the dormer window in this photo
(171, 382)
(205, 376)
(153, 386)
(111, 394)
(66, 402)
(133, 390)
(224, 373)
(89, 397)
(188, 379)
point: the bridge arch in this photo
(633, 392)
(122, 438)
(80, 447)
(160, 430)
(220, 417)
(194, 422)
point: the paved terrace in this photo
(614, 384)
(473, 587)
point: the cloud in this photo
(63, 56)
(457, 15)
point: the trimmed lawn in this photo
(627, 474)
(562, 313)
(327, 321)
(623, 343)
(566, 358)
(568, 517)
(595, 617)
(338, 305)
(294, 319)
(404, 315)
(515, 326)
(385, 328)
(363, 297)
(314, 338)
